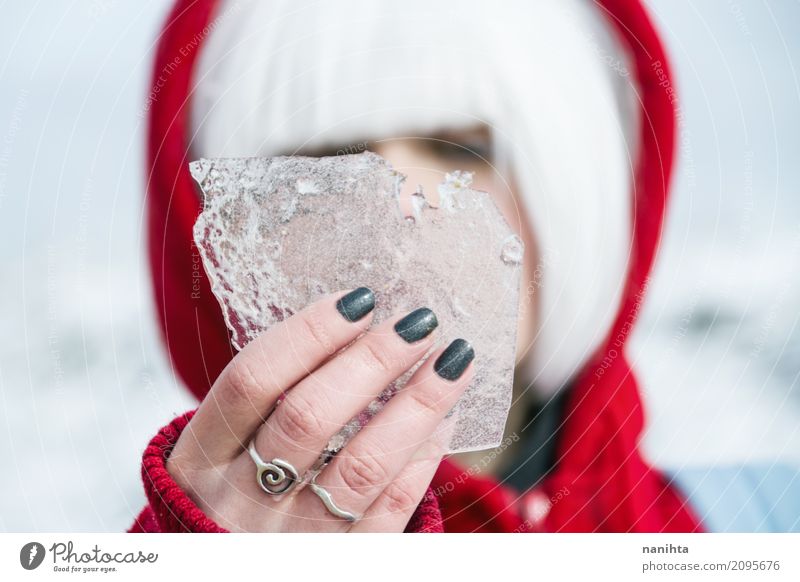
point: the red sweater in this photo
(600, 481)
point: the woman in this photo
(564, 111)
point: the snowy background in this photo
(83, 381)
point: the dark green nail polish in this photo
(454, 360)
(356, 304)
(416, 325)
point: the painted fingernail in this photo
(454, 360)
(356, 304)
(416, 325)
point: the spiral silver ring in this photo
(276, 477)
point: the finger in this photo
(244, 394)
(395, 506)
(366, 467)
(319, 406)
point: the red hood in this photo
(611, 488)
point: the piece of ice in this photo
(277, 233)
(451, 187)
(512, 251)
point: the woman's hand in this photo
(382, 473)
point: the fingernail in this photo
(454, 360)
(416, 325)
(356, 304)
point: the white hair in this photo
(547, 77)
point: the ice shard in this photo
(277, 233)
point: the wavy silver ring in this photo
(327, 500)
(276, 477)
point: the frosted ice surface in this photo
(277, 233)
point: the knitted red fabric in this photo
(601, 482)
(471, 503)
(170, 510)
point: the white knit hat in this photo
(546, 76)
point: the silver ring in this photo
(276, 477)
(327, 500)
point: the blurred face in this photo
(425, 160)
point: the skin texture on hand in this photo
(292, 389)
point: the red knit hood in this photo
(610, 486)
